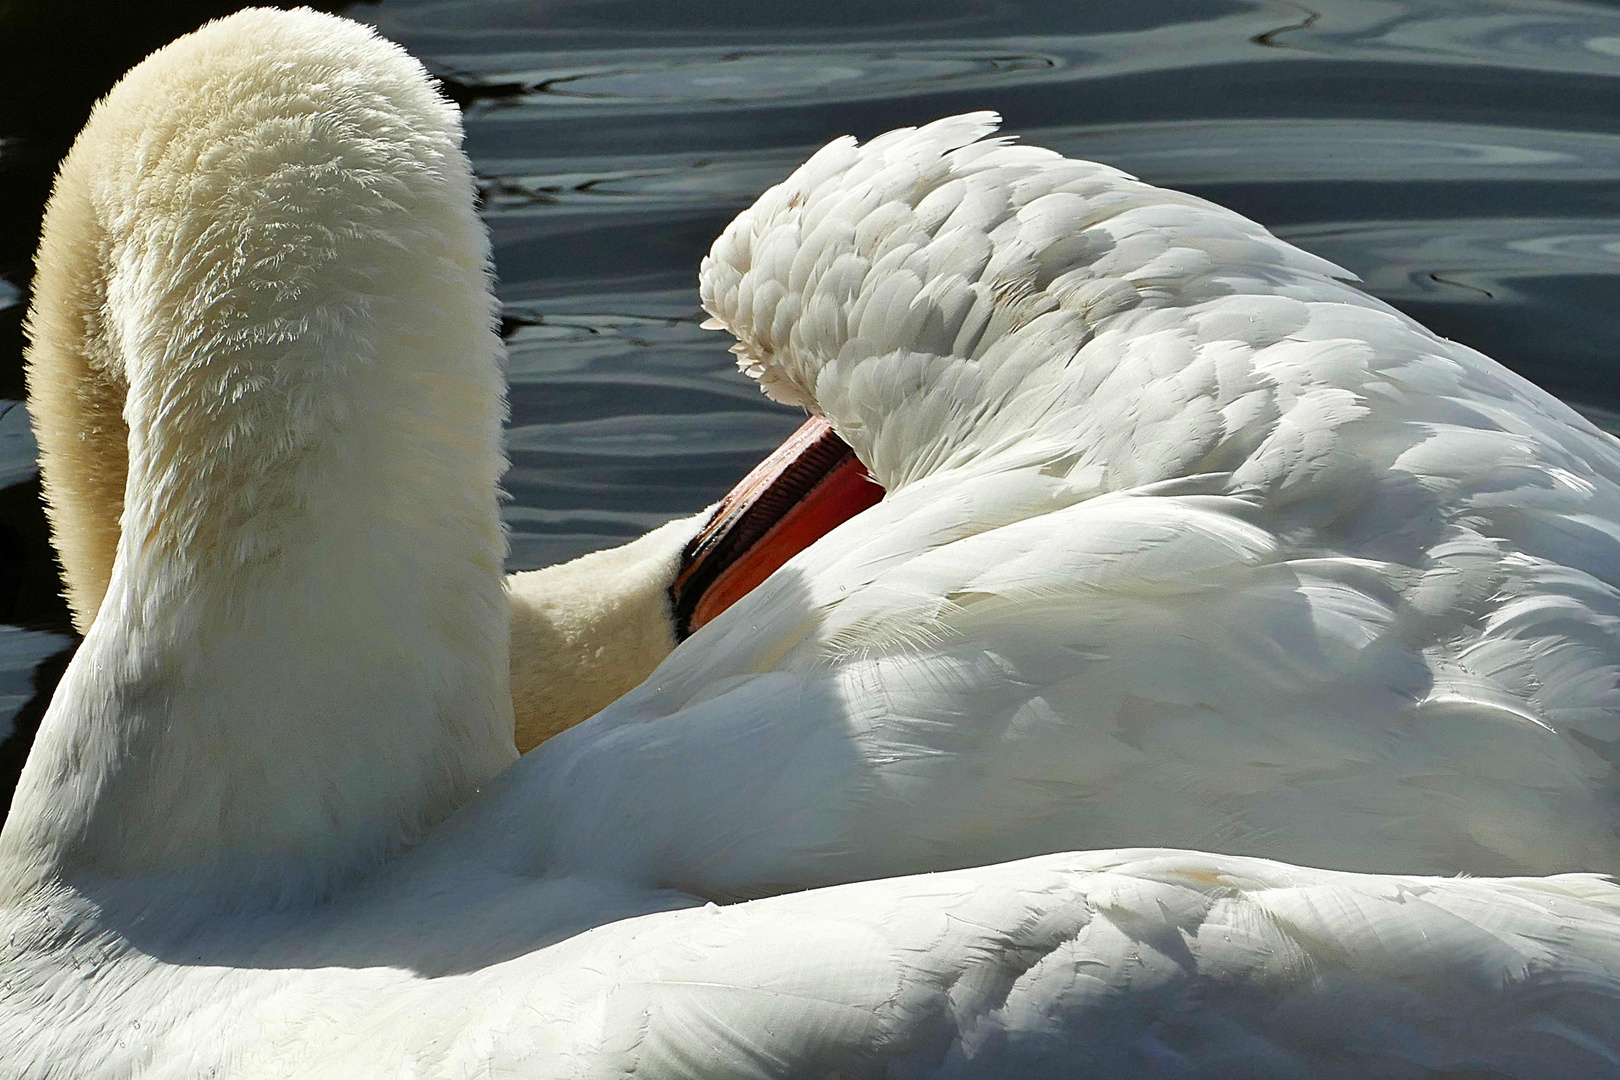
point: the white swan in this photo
(270, 824)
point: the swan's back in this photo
(1188, 541)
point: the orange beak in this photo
(809, 485)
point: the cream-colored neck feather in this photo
(583, 632)
(587, 631)
(266, 232)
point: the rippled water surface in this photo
(1461, 156)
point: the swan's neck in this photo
(300, 662)
(587, 631)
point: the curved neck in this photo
(301, 658)
(76, 395)
(587, 631)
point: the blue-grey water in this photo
(1461, 156)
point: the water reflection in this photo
(622, 421)
(751, 77)
(1548, 37)
(1191, 152)
(21, 651)
(1465, 260)
(639, 181)
(17, 447)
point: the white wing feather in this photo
(1126, 963)
(1188, 541)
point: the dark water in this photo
(1462, 156)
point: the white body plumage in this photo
(1222, 551)
(1114, 596)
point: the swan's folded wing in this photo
(1134, 963)
(1152, 667)
(1307, 580)
(1190, 543)
(1166, 963)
